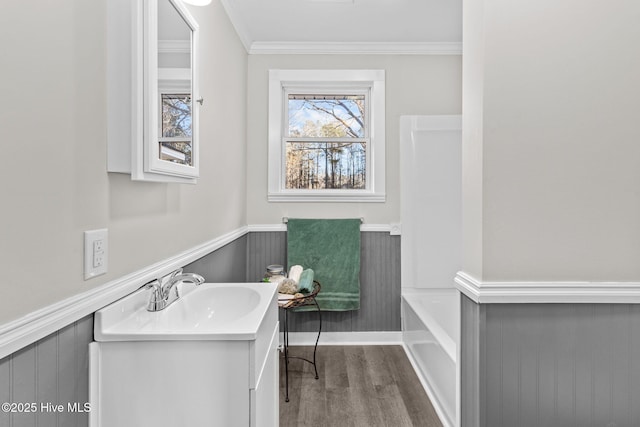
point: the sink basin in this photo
(211, 311)
(214, 304)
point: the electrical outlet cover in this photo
(96, 249)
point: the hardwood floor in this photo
(359, 386)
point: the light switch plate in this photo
(96, 249)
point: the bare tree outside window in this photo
(175, 140)
(327, 142)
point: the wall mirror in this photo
(172, 147)
(157, 138)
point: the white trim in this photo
(40, 323)
(152, 161)
(266, 227)
(547, 292)
(174, 46)
(346, 338)
(354, 48)
(333, 48)
(371, 80)
(339, 196)
(238, 24)
(380, 228)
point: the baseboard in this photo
(346, 338)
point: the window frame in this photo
(281, 83)
(171, 81)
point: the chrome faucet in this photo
(161, 295)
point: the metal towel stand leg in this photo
(303, 301)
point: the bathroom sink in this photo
(210, 358)
(211, 311)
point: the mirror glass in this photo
(175, 119)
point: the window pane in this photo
(326, 165)
(176, 152)
(176, 115)
(326, 116)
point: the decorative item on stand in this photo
(274, 274)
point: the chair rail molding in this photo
(394, 229)
(491, 292)
(40, 323)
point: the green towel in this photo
(331, 247)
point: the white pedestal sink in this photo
(209, 359)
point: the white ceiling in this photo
(340, 26)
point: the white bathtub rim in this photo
(447, 342)
(447, 292)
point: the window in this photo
(326, 135)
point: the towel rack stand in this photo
(285, 220)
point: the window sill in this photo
(327, 196)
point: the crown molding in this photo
(241, 29)
(174, 46)
(547, 292)
(332, 48)
(335, 48)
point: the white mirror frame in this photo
(152, 161)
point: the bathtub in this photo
(430, 330)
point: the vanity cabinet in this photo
(227, 381)
(152, 91)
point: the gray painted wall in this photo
(471, 329)
(379, 283)
(522, 364)
(55, 370)
(550, 365)
(227, 264)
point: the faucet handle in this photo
(154, 284)
(157, 290)
(156, 300)
(175, 273)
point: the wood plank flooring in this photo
(359, 386)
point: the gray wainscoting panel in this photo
(471, 322)
(557, 365)
(56, 369)
(227, 264)
(379, 283)
(53, 370)
(263, 249)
